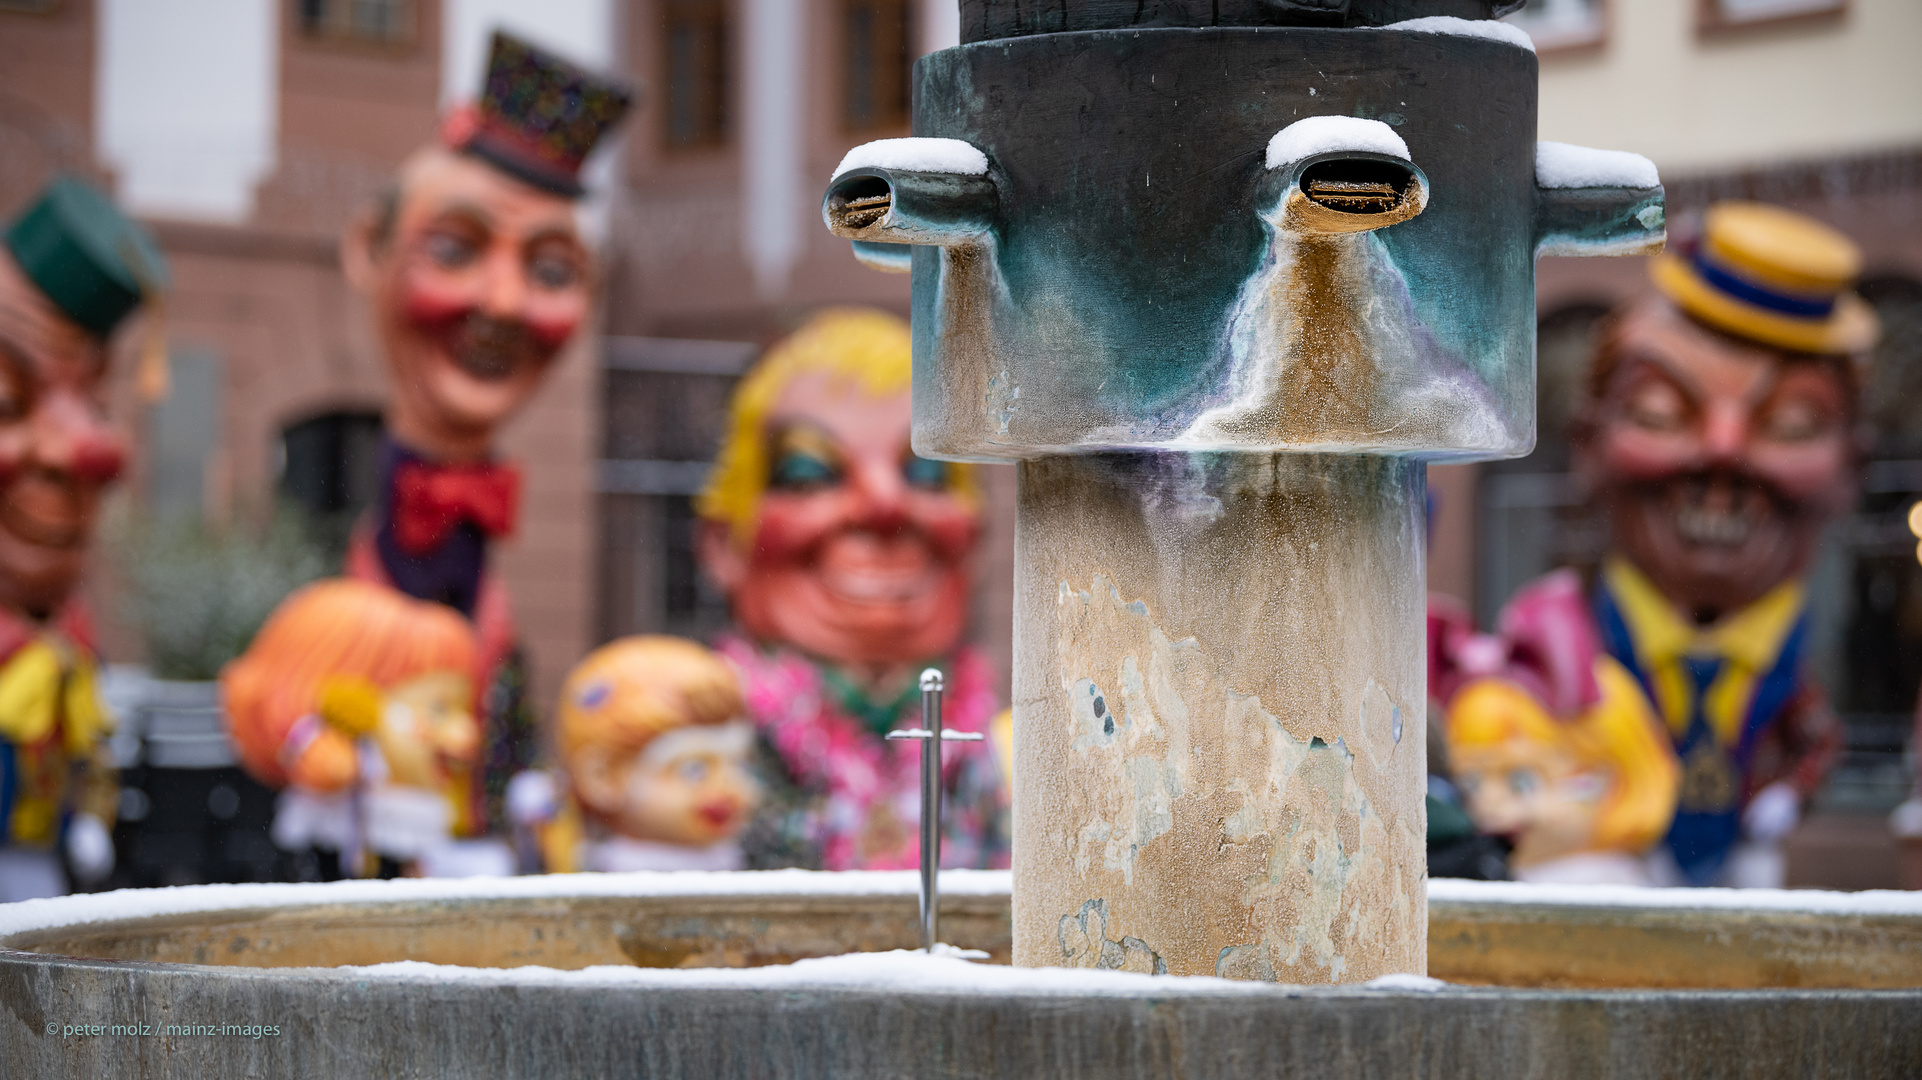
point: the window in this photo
(371, 22)
(696, 65)
(665, 406)
(1563, 24)
(183, 436)
(1714, 15)
(878, 51)
(330, 467)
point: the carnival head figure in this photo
(1721, 431)
(474, 259)
(654, 737)
(352, 686)
(1553, 743)
(1721, 427)
(821, 524)
(846, 559)
(71, 270)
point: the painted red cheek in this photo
(1637, 454)
(433, 303)
(99, 458)
(949, 528)
(789, 525)
(554, 323)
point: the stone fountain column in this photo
(1221, 290)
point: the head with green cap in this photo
(72, 268)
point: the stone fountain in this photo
(1220, 275)
(1220, 287)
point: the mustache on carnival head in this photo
(491, 349)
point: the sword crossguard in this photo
(947, 734)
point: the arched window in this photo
(330, 463)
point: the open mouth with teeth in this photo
(1719, 511)
(878, 584)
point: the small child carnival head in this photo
(652, 735)
(369, 658)
(821, 524)
(1602, 780)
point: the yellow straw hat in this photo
(1772, 276)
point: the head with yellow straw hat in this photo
(1721, 426)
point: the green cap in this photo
(86, 256)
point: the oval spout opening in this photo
(1357, 185)
(1351, 193)
(858, 203)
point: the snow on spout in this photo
(1332, 135)
(1561, 165)
(916, 155)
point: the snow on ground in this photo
(916, 155)
(1562, 165)
(1476, 28)
(1333, 134)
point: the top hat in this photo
(86, 256)
(539, 116)
(1771, 276)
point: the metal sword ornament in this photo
(931, 796)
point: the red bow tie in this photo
(430, 501)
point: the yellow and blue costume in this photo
(1733, 700)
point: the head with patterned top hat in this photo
(72, 270)
(474, 260)
(1721, 428)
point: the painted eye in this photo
(798, 470)
(1794, 421)
(919, 472)
(450, 251)
(693, 771)
(553, 272)
(1657, 406)
(1523, 782)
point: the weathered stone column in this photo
(1219, 683)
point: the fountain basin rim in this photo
(903, 975)
(33, 916)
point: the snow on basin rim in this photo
(916, 155)
(52, 914)
(1475, 28)
(1313, 135)
(889, 972)
(1803, 901)
(1563, 165)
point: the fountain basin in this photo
(651, 974)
